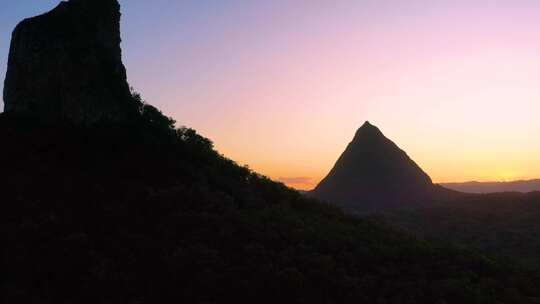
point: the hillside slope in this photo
(143, 213)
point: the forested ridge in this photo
(141, 212)
(505, 225)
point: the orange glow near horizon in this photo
(282, 86)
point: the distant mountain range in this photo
(492, 187)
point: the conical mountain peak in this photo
(367, 124)
(367, 130)
(374, 173)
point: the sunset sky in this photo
(282, 86)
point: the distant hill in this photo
(493, 187)
(373, 173)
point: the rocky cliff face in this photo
(66, 64)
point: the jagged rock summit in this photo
(374, 174)
(66, 64)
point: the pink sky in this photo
(282, 86)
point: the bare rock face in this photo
(66, 65)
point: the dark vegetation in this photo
(144, 213)
(506, 225)
(104, 201)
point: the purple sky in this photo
(283, 85)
